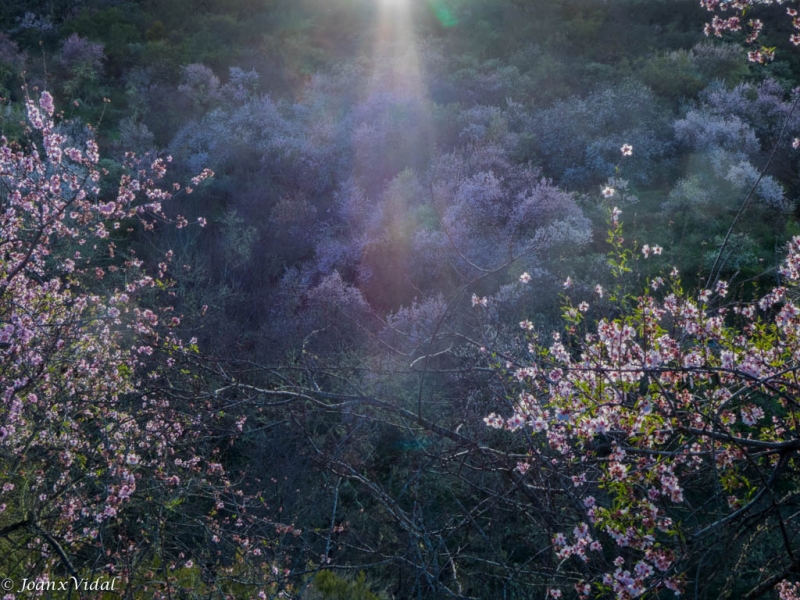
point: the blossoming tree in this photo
(106, 467)
(674, 426)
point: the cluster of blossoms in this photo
(788, 591)
(647, 250)
(724, 21)
(479, 301)
(794, 38)
(685, 392)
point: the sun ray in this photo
(396, 136)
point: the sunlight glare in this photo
(393, 3)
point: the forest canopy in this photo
(328, 299)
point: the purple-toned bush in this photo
(764, 107)
(703, 131)
(579, 139)
(11, 57)
(242, 85)
(80, 64)
(200, 86)
(80, 54)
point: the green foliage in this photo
(237, 239)
(156, 32)
(330, 586)
(116, 27)
(11, 120)
(217, 42)
(673, 75)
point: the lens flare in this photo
(443, 13)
